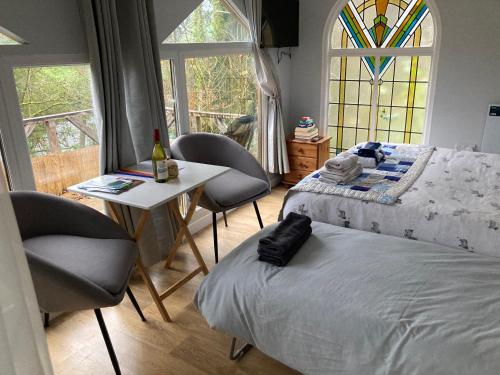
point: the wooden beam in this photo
(50, 125)
(28, 129)
(152, 290)
(180, 283)
(84, 128)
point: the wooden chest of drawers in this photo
(305, 157)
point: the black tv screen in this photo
(280, 23)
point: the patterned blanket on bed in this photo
(402, 166)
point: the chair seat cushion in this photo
(106, 263)
(233, 188)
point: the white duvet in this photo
(455, 202)
(355, 303)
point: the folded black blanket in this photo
(283, 242)
(370, 150)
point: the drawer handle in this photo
(301, 150)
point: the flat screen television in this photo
(280, 23)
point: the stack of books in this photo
(306, 130)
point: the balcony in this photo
(64, 147)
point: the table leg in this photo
(152, 290)
(114, 213)
(139, 228)
(184, 231)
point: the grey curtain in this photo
(128, 100)
(275, 158)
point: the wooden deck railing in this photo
(58, 169)
(76, 118)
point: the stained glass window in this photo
(381, 95)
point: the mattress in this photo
(353, 302)
(455, 202)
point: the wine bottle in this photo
(159, 158)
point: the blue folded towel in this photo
(370, 150)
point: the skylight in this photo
(211, 22)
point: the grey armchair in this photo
(79, 258)
(245, 182)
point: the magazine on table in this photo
(109, 184)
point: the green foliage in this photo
(210, 22)
(52, 90)
(220, 84)
(56, 89)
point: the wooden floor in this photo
(185, 346)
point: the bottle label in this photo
(173, 169)
(162, 169)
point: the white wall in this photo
(468, 72)
(49, 26)
(467, 80)
(55, 26)
(170, 13)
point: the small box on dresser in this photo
(305, 157)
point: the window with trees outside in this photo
(58, 120)
(167, 72)
(215, 74)
(379, 72)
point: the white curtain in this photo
(23, 346)
(275, 158)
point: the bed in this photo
(454, 202)
(353, 302)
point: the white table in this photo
(149, 195)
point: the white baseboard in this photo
(275, 179)
(202, 219)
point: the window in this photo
(379, 72)
(210, 56)
(9, 39)
(169, 94)
(222, 95)
(212, 22)
(56, 105)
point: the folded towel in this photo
(368, 162)
(341, 173)
(370, 149)
(372, 162)
(342, 161)
(279, 246)
(283, 259)
(332, 178)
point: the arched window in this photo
(380, 58)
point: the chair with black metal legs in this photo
(245, 182)
(79, 258)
